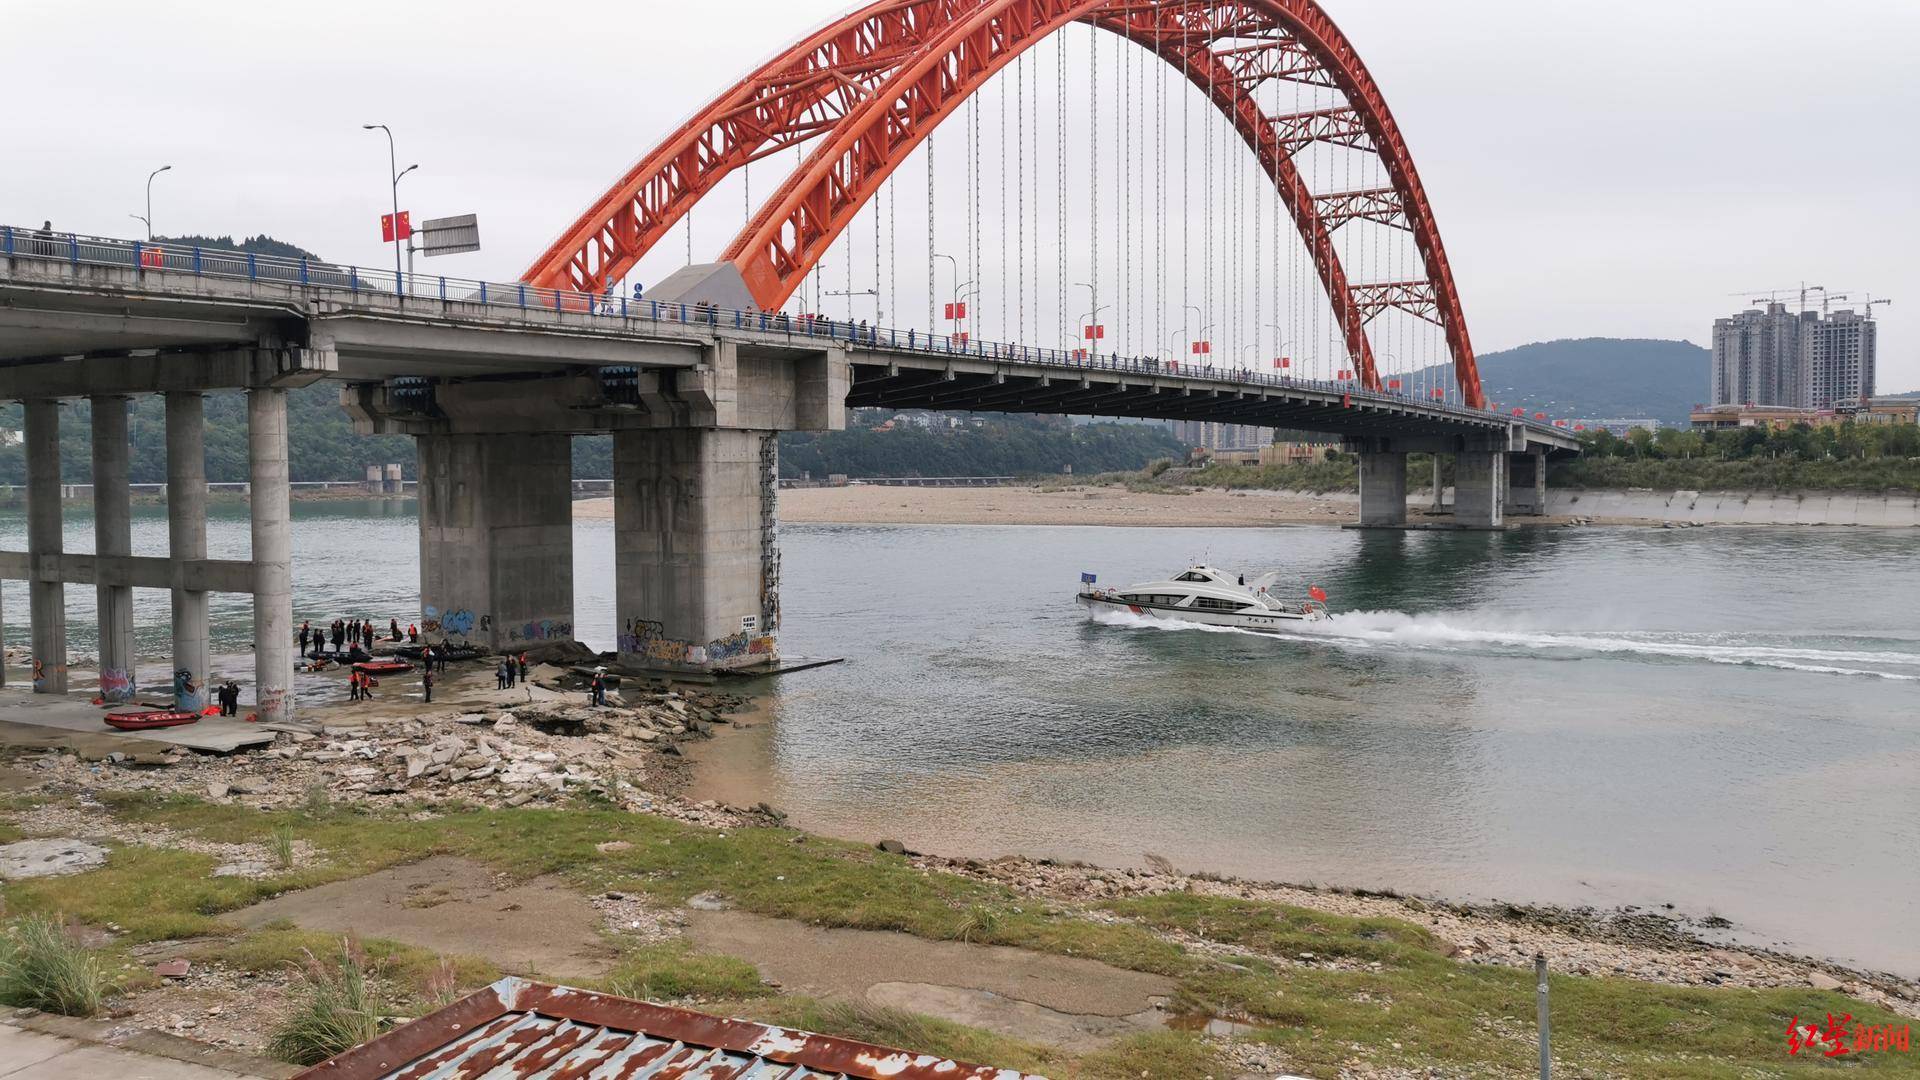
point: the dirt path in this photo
(456, 907)
(1067, 1002)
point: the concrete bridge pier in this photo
(113, 535)
(1383, 489)
(1480, 489)
(187, 540)
(696, 562)
(272, 554)
(496, 538)
(1527, 484)
(46, 594)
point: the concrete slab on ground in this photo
(59, 1048)
(456, 907)
(75, 714)
(1073, 1003)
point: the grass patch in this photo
(282, 846)
(416, 976)
(1447, 1015)
(42, 967)
(335, 1008)
(671, 970)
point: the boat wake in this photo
(1492, 636)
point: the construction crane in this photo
(1871, 301)
(1773, 295)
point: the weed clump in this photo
(335, 1008)
(42, 967)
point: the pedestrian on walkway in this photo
(500, 676)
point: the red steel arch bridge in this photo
(856, 99)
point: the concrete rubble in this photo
(498, 755)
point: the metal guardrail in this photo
(143, 257)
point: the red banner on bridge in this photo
(387, 227)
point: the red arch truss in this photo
(873, 85)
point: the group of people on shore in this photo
(511, 670)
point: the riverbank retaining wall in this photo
(1742, 508)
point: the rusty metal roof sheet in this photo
(520, 1029)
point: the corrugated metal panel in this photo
(517, 1030)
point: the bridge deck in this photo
(65, 296)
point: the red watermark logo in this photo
(1842, 1036)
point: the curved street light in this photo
(148, 220)
(393, 167)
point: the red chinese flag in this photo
(1079, 354)
(960, 310)
(1559, 423)
(1095, 331)
(1519, 412)
(959, 338)
(946, 311)
(1437, 394)
(1579, 427)
(1393, 384)
(1174, 364)
(1317, 593)
(1539, 416)
(386, 228)
(406, 224)
(1283, 362)
(1346, 401)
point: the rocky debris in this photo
(49, 857)
(173, 969)
(709, 901)
(1629, 943)
(892, 847)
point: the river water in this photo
(1727, 720)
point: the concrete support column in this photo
(267, 483)
(1480, 489)
(187, 539)
(1439, 493)
(46, 596)
(1383, 490)
(696, 568)
(113, 535)
(496, 538)
(1527, 483)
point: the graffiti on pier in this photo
(540, 630)
(187, 694)
(459, 621)
(647, 640)
(741, 644)
(272, 706)
(116, 684)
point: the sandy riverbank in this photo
(1081, 505)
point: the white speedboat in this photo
(1203, 594)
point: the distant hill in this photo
(1600, 377)
(258, 245)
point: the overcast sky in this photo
(1616, 169)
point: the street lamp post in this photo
(954, 298)
(393, 166)
(148, 220)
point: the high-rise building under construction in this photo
(1806, 359)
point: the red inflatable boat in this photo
(150, 718)
(382, 667)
